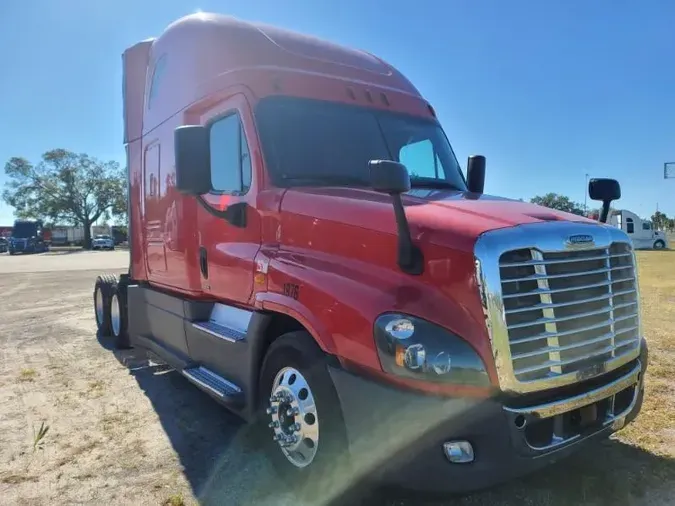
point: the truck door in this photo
(154, 237)
(646, 235)
(229, 224)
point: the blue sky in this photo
(548, 91)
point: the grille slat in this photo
(568, 310)
(568, 289)
(604, 351)
(554, 276)
(575, 302)
(543, 321)
(563, 261)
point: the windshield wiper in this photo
(311, 179)
(441, 184)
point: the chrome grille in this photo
(568, 311)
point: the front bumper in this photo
(397, 437)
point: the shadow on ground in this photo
(224, 467)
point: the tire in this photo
(117, 309)
(659, 244)
(297, 354)
(104, 287)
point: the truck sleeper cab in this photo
(641, 233)
(306, 249)
(28, 236)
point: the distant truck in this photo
(641, 232)
(306, 248)
(67, 236)
(29, 236)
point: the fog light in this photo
(458, 452)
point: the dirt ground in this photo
(118, 429)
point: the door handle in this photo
(203, 262)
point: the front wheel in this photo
(659, 244)
(306, 435)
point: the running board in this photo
(214, 384)
(220, 331)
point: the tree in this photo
(594, 214)
(559, 202)
(659, 221)
(65, 187)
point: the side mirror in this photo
(475, 173)
(389, 177)
(193, 159)
(605, 190)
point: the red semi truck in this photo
(306, 249)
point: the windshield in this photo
(313, 142)
(23, 230)
(102, 237)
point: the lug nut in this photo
(274, 424)
(271, 410)
(295, 427)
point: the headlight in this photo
(417, 349)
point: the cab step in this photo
(214, 384)
(226, 322)
(218, 330)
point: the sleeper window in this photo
(630, 226)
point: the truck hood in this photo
(444, 217)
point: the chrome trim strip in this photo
(550, 409)
(545, 237)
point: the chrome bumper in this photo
(605, 417)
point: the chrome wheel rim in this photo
(115, 314)
(294, 418)
(98, 304)
(658, 245)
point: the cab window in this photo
(421, 160)
(157, 74)
(230, 157)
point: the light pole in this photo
(586, 196)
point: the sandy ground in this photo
(122, 430)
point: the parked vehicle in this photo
(307, 250)
(4, 246)
(68, 236)
(28, 236)
(119, 234)
(102, 242)
(641, 232)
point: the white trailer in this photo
(640, 231)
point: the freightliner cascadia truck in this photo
(305, 247)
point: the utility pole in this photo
(586, 196)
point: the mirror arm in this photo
(410, 259)
(605, 211)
